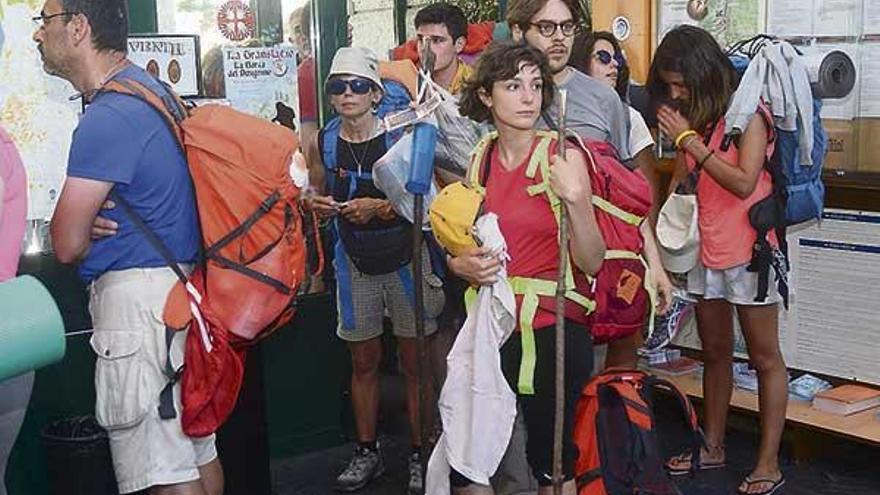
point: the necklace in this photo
(369, 144)
(354, 157)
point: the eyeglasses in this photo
(605, 58)
(359, 86)
(548, 28)
(43, 19)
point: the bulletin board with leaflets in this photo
(833, 324)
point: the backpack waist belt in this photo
(531, 289)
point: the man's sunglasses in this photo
(548, 28)
(359, 86)
(605, 58)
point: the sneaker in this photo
(416, 483)
(666, 327)
(365, 466)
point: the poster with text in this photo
(262, 82)
(171, 58)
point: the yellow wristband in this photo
(681, 137)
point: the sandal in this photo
(674, 465)
(775, 485)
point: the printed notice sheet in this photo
(870, 80)
(871, 17)
(837, 17)
(838, 315)
(790, 17)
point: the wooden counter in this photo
(863, 427)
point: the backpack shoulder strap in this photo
(152, 238)
(637, 410)
(328, 137)
(478, 170)
(173, 112)
(169, 105)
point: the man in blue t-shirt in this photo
(124, 146)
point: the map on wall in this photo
(34, 107)
(729, 21)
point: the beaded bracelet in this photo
(705, 159)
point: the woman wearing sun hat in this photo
(373, 257)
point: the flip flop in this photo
(685, 457)
(776, 485)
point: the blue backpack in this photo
(798, 192)
(373, 251)
(800, 187)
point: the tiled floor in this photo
(838, 468)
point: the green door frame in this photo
(400, 21)
(329, 33)
(142, 18)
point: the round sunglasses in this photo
(358, 86)
(605, 58)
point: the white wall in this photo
(372, 23)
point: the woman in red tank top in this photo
(695, 77)
(511, 86)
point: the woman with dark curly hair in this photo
(523, 181)
(693, 76)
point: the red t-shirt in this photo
(308, 92)
(530, 230)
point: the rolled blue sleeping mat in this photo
(31, 328)
(421, 173)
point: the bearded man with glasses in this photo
(594, 110)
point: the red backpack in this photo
(253, 249)
(621, 200)
(619, 453)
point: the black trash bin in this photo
(78, 458)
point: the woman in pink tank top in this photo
(695, 78)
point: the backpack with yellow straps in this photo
(617, 297)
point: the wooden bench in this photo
(862, 427)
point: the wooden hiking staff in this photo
(421, 174)
(560, 314)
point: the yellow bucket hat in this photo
(453, 214)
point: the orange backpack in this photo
(619, 453)
(253, 252)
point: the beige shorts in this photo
(129, 340)
(362, 300)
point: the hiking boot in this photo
(365, 466)
(416, 482)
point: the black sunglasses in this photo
(359, 86)
(43, 18)
(548, 28)
(605, 58)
